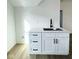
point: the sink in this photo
(48, 29)
(52, 29)
(59, 29)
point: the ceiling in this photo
(24, 3)
(28, 3)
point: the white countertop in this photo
(41, 30)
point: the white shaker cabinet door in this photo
(48, 46)
(62, 46)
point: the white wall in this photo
(38, 16)
(66, 6)
(11, 40)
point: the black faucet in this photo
(51, 25)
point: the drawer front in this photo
(34, 35)
(35, 48)
(48, 35)
(62, 35)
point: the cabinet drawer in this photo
(35, 48)
(48, 35)
(35, 40)
(35, 35)
(62, 35)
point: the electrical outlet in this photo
(22, 37)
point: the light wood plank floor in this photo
(20, 51)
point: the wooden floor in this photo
(20, 51)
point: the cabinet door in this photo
(62, 46)
(48, 46)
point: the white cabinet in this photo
(48, 43)
(48, 46)
(56, 43)
(62, 46)
(62, 43)
(35, 42)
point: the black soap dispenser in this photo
(51, 25)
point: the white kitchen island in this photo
(49, 42)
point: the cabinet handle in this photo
(35, 41)
(35, 34)
(56, 41)
(35, 49)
